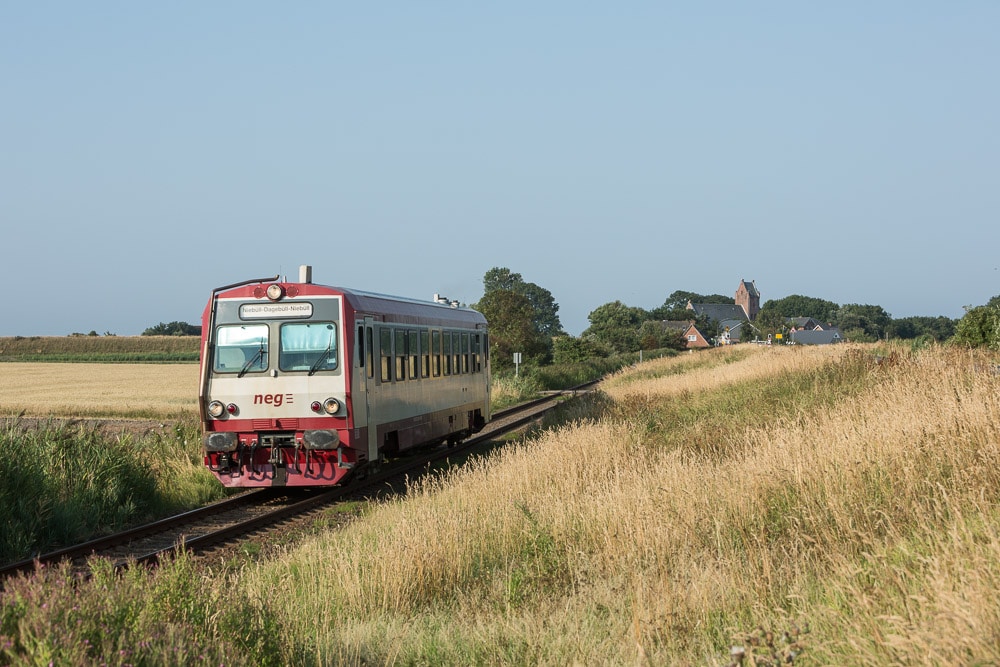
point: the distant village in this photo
(735, 324)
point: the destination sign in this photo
(260, 311)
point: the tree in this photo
(939, 328)
(654, 336)
(173, 329)
(617, 326)
(501, 278)
(979, 327)
(770, 321)
(545, 317)
(571, 350)
(797, 305)
(863, 322)
(512, 329)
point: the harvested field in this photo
(98, 390)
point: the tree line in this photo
(524, 318)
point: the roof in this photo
(719, 311)
(680, 325)
(804, 322)
(751, 288)
(815, 337)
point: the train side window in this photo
(465, 353)
(476, 360)
(360, 344)
(456, 348)
(400, 354)
(370, 353)
(385, 353)
(436, 352)
(446, 351)
(425, 354)
(413, 354)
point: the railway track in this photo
(205, 528)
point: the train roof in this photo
(373, 302)
(401, 309)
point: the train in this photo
(308, 385)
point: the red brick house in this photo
(693, 337)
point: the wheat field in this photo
(98, 390)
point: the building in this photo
(748, 297)
(692, 337)
(732, 320)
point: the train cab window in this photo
(446, 351)
(465, 353)
(412, 354)
(308, 346)
(385, 353)
(425, 354)
(241, 349)
(436, 352)
(400, 336)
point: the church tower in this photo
(748, 297)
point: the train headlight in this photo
(232, 409)
(331, 406)
(275, 292)
(216, 408)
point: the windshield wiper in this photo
(253, 360)
(323, 357)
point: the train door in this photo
(371, 389)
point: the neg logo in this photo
(273, 399)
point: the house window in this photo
(692, 338)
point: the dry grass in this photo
(98, 390)
(871, 516)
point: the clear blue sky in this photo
(605, 151)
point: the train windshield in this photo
(241, 349)
(308, 346)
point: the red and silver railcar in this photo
(303, 383)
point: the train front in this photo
(273, 397)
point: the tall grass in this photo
(167, 618)
(63, 483)
(686, 511)
(607, 542)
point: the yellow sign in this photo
(777, 335)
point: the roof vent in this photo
(305, 274)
